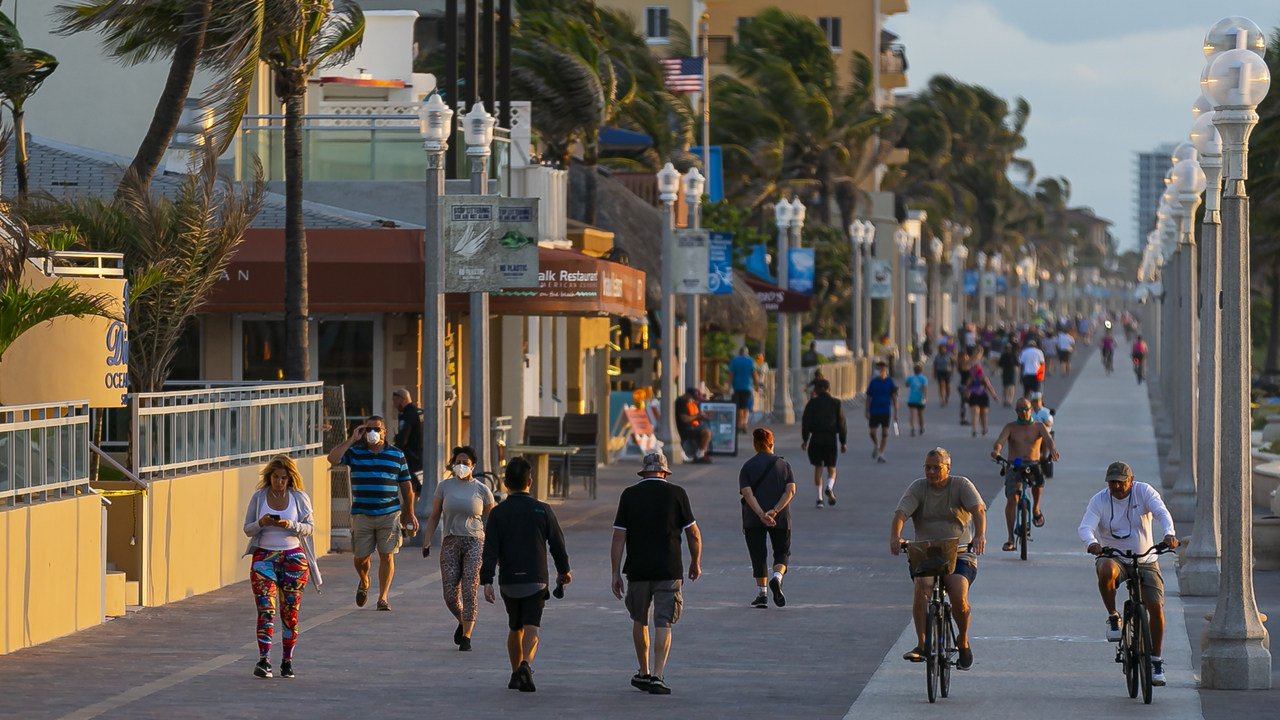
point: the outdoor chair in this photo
(583, 432)
(545, 431)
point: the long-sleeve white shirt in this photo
(1107, 520)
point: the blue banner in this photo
(970, 282)
(1024, 291)
(757, 263)
(800, 263)
(714, 173)
(720, 271)
(1002, 285)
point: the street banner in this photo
(916, 283)
(1049, 291)
(692, 262)
(1024, 291)
(988, 283)
(1002, 285)
(970, 282)
(720, 272)
(491, 243)
(879, 279)
(800, 262)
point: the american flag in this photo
(684, 74)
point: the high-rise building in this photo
(1151, 169)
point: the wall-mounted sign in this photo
(988, 283)
(800, 270)
(491, 243)
(720, 270)
(916, 283)
(692, 262)
(1002, 285)
(970, 282)
(879, 279)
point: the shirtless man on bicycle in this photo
(1024, 437)
(1120, 517)
(942, 507)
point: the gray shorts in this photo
(375, 532)
(1149, 576)
(663, 595)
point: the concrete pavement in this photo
(1037, 627)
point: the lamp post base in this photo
(1198, 577)
(1235, 664)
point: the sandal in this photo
(1038, 520)
(1008, 547)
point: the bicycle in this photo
(1108, 361)
(1138, 366)
(937, 560)
(1022, 519)
(1134, 652)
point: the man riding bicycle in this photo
(1024, 436)
(942, 507)
(1108, 349)
(1120, 517)
(1139, 355)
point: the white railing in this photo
(176, 433)
(848, 379)
(43, 448)
(66, 263)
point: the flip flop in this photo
(1008, 547)
(1038, 520)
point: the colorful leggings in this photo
(285, 570)
(460, 559)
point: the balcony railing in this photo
(44, 449)
(893, 60)
(177, 433)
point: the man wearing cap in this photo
(1120, 517)
(652, 514)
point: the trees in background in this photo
(22, 71)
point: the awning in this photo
(618, 136)
(775, 299)
(381, 270)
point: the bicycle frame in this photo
(940, 651)
(1134, 652)
(1022, 520)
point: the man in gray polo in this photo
(652, 515)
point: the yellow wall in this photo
(50, 570)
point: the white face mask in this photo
(373, 437)
(462, 471)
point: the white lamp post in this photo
(435, 123)
(693, 183)
(855, 327)
(868, 243)
(1188, 182)
(902, 323)
(798, 211)
(478, 132)
(1234, 657)
(668, 191)
(935, 287)
(959, 254)
(982, 289)
(783, 411)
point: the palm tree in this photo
(22, 71)
(318, 33)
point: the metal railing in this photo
(43, 448)
(847, 378)
(893, 60)
(66, 263)
(177, 433)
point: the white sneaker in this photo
(880, 458)
(1113, 628)
(1157, 673)
(820, 505)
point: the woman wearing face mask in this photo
(464, 503)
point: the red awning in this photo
(775, 299)
(381, 270)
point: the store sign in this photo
(988, 283)
(800, 270)
(916, 283)
(970, 282)
(491, 243)
(1002, 285)
(720, 270)
(692, 262)
(879, 279)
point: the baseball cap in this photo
(1037, 395)
(1118, 471)
(655, 462)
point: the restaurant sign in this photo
(491, 243)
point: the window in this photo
(655, 24)
(831, 28)
(743, 22)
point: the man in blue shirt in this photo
(380, 487)
(742, 374)
(882, 400)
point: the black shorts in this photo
(824, 451)
(1030, 383)
(966, 569)
(1064, 355)
(964, 378)
(779, 537)
(525, 610)
(943, 376)
(879, 421)
(1012, 481)
(690, 433)
(1009, 378)
(979, 401)
(742, 399)
(915, 406)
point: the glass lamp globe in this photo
(935, 247)
(1188, 178)
(1238, 79)
(1231, 33)
(797, 213)
(1202, 104)
(782, 213)
(1184, 151)
(961, 252)
(1204, 135)
(668, 182)
(435, 119)
(693, 183)
(478, 127)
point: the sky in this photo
(1105, 78)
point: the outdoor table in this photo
(539, 456)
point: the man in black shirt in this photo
(821, 427)
(652, 514)
(766, 481)
(516, 539)
(409, 436)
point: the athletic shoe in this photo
(362, 596)
(820, 505)
(1113, 629)
(913, 432)
(775, 587)
(457, 635)
(915, 654)
(831, 495)
(966, 659)
(526, 678)
(761, 601)
(1157, 673)
(263, 668)
(465, 645)
(704, 460)
(514, 683)
(875, 452)
(657, 687)
(880, 458)
(641, 681)
(286, 669)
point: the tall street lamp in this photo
(1170, 377)
(783, 411)
(1234, 657)
(1188, 183)
(435, 124)
(982, 289)
(693, 183)
(959, 254)
(478, 132)
(668, 191)
(935, 288)
(902, 239)
(856, 239)
(798, 211)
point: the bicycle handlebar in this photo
(1157, 549)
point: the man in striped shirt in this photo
(380, 487)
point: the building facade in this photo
(1150, 169)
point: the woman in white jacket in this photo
(279, 525)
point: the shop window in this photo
(345, 356)
(262, 348)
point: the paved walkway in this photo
(1038, 625)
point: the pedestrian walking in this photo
(1032, 368)
(516, 539)
(766, 481)
(822, 427)
(917, 397)
(964, 368)
(743, 376)
(652, 515)
(380, 488)
(882, 400)
(409, 436)
(279, 525)
(463, 504)
(1009, 371)
(943, 363)
(979, 396)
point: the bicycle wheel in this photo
(1024, 523)
(1144, 655)
(930, 655)
(1129, 640)
(946, 646)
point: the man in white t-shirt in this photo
(1032, 368)
(1066, 344)
(1120, 517)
